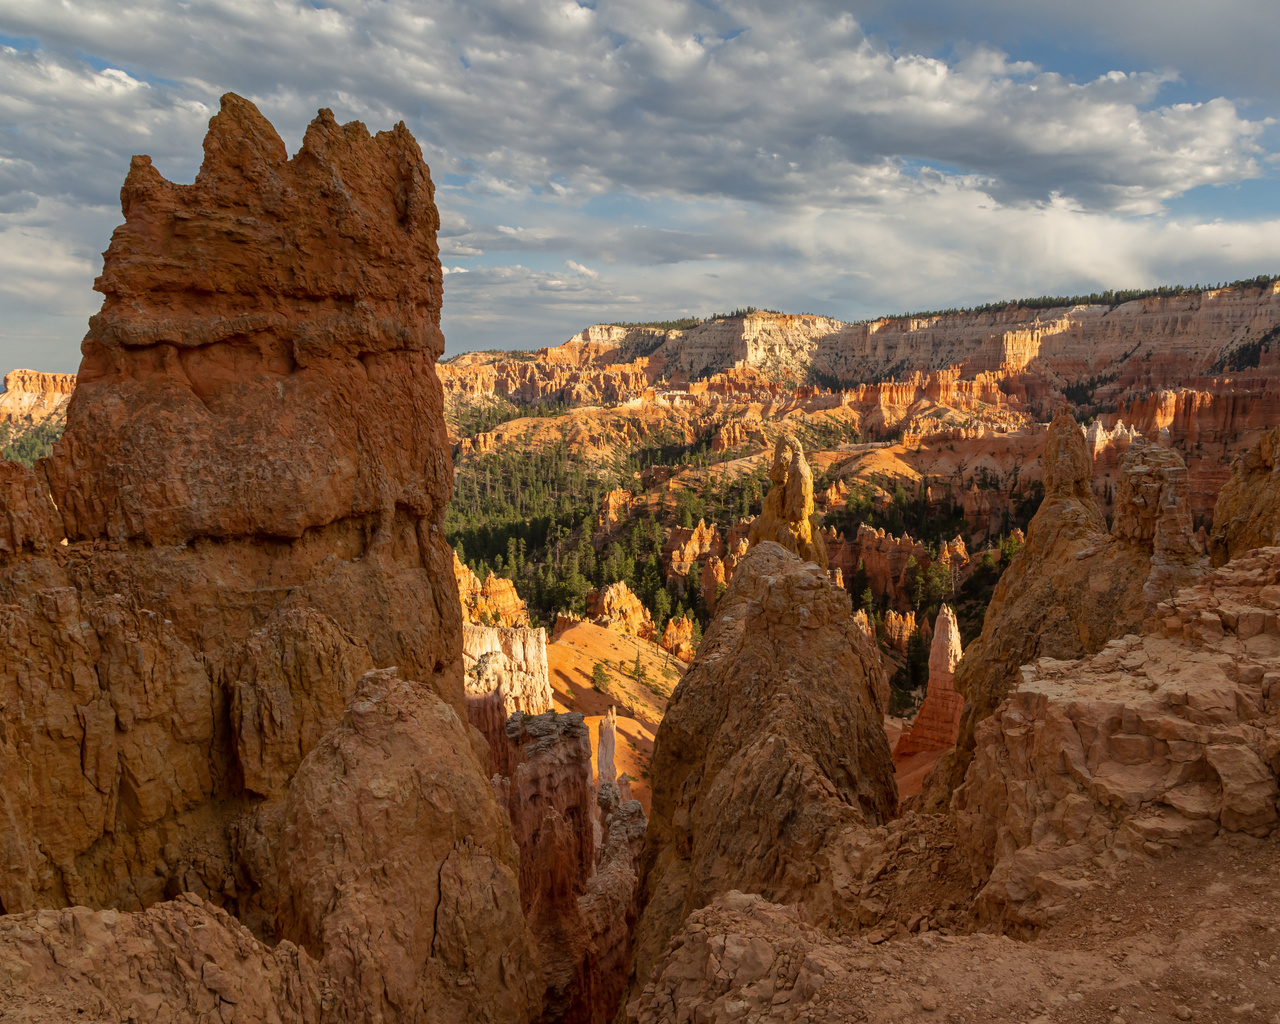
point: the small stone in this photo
(875, 937)
(1182, 1012)
(929, 1002)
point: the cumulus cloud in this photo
(676, 155)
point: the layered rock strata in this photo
(1159, 741)
(505, 673)
(33, 397)
(937, 723)
(244, 515)
(263, 452)
(771, 745)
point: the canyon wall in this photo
(33, 397)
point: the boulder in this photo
(397, 869)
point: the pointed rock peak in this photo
(945, 651)
(1068, 469)
(241, 142)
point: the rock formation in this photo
(788, 517)
(505, 673)
(678, 638)
(937, 723)
(1157, 742)
(771, 744)
(397, 868)
(1071, 587)
(578, 898)
(616, 607)
(494, 602)
(251, 488)
(614, 508)
(898, 630)
(81, 964)
(1247, 515)
(232, 453)
(33, 397)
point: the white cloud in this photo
(578, 268)
(668, 157)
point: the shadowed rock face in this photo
(252, 486)
(771, 746)
(1247, 514)
(1073, 586)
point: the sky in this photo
(626, 161)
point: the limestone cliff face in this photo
(788, 517)
(1006, 356)
(771, 744)
(1072, 587)
(33, 397)
(1158, 741)
(506, 673)
(1247, 515)
(252, 486)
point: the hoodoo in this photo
(251, 488)
(938, 721)
(788, 517)
(771, 746)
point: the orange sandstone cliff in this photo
(245, 516)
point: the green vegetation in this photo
(1245, 356)
(481, 418)
(1110, 297)
(27, 443)
(738, 314)
(683, 324)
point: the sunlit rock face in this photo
(254, 462)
